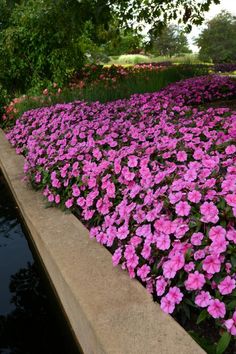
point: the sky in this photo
(229, 5)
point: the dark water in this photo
(30, 320)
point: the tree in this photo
(218, 40)
(44, 40)
(158, 12)
(171, 41)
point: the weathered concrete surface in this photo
(108, 312)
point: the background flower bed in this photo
(99, 83)
(105, 83)
(154, 179)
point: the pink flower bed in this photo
(154, 178)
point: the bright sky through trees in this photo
(228, 5)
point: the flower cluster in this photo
(224, 67)
(154, 179)
(92, 74)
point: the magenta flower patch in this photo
(154, 178)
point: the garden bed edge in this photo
(108, 312)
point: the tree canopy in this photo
(158, 12)
(171, 41)
(46, 39)
(218, 40)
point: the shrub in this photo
(3, 103)
(133, 59)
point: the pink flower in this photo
(216, 309)
(196, 238)
(209, 212)
(168, 270)
(194, 196)
(231, 324)
(231, 199)
(57, 199)
(228, 267)
(189, 267)
(143, 272)
(116, 256)
(203, 299)
(216, 231)
(181, 228)
(231, 149)
(231, 235)
(181, 156)
(177, 261)
(211, 264)
(132, 161)
(75, 190)
(182, 209)
(163, 242)
(69, 203)
(175, 197)
(175, 295)
(195, 281)
(146, 251)
(219, 245)
(129, 176)
(122, 232)
(198, 154)
(226, 286)
(190, 175)
(160, 286)
(200, 254)
(132, 261)
(167, 305)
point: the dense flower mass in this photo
(95, 73)
(154, 177)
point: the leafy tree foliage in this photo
(124, 42)
(158, 12)
(42, 40)
(218, 41)
(46, 39)
(171, 41)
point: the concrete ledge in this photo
(108, 312)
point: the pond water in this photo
(30, 320)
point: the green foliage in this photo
(46, 40)
(171, 41)
(42, 40)
(218, 41)
(141, 83)
(125, 42)
(3, 101)
(202, 316)
(223, 343)
(157, 13)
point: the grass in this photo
(131, 59)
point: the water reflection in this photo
(29, 322)
(28, 328)
(14, 250)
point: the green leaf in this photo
(233, 260)
(202, 316)
(189, 302)
(223, 343)
(188, 255)
(208, 347)
(232, 305)
(186, 311)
